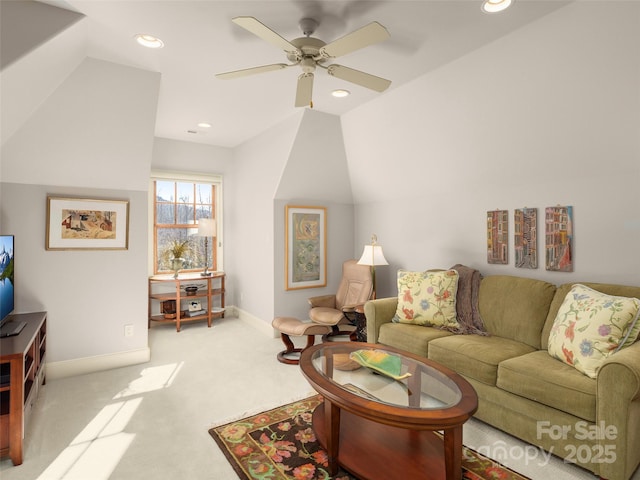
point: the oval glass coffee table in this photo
(380, 426)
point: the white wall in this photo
(27, 81)
(26, 25)
(91, 138)
(178, 156)
(258, 167)
(317, 165)
(89, 295)
(98, 124)
(300, 162)
(316, 174)
(547, 115)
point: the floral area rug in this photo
(280, 444)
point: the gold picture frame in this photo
(87, 224)
(305, 247)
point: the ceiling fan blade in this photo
(360, 78)
(363, 37)
(304, 93)
(251, 71)
(261, 30)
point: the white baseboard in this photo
(256, 323)
(80, 366)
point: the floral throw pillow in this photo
(590, 326)
(427, 298)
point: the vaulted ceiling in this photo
(200, 40)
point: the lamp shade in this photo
(206, 227)
(372, 255)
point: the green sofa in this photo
(523, 390)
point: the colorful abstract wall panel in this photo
(559, 238)
(498, 236)
(525, 235)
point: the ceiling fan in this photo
(309, 52)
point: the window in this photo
(178, 205)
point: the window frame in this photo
(185, 177)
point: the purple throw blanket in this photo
(467, 310)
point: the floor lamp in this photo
(206, 229)
(372, 256)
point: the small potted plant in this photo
(176, 253)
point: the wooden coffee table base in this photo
(371, 450)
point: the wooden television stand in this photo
(22, 373)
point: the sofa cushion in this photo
(411, 338)
(515, 307)
(427, 298)
(590, 326)
(475, 356)
(541, 378)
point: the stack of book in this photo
(195, 313)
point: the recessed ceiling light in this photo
(204, 125)
(149, 41)
(495, 6)
(340, 93)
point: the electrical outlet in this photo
(128, 330)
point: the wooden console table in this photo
(22, 373)
(210, 293)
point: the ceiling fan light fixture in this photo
(341, 93)
(308, 53)
(149, 41)
(495, 6)
(308, 26)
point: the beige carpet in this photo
(152, 420)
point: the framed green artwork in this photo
(305, 247)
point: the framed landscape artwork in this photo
(305, 247)
(87, 224)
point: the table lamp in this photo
(206, 229)
(372, 256)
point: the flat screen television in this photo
(7, 293)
